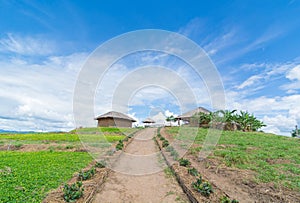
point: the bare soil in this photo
(141, 177)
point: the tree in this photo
(296, 132)
(170, 119)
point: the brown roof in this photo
(114, 114)
(189, 114)
(148, 120)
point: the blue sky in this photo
(43, 45)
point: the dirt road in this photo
(140, 175)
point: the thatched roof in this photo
(114, 114)
(148, 120)
(190, 114)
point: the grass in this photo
(85, 135)
(274, 159)
(27, 176)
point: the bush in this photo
(175, 155)
(162, 138)
(193, 171)
(170, 148)
(73, 192)
(85, 175)
(100, 164)
(184, 162)
(165, 143)
(225, 199)
(120, 145)
(203, 188)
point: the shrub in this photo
(203, 188)
(225, 199)
(120, 145)
(184, 162)
(85, 175)
(170, 148)
(162, 138)
(73, 192)
(100, 164)
(165, 143)
(193, 171)
(175, 155)
(125, 139)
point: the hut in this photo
(114, 119)
(186, 117)
(148, 122)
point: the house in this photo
(148, 122)
(114, 119)
(186, 117)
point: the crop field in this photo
(274, 159)
(26, 176)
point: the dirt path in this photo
(140, 175)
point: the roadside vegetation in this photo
(274, 159)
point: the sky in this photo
(254, 46)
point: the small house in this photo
(115, 119)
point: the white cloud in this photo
(39, 96)
(26, 45)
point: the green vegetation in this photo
(225, 199)
(193, 171)
(184, 162)
(295, 132)
(202, 187)
(273, 158)
(228, 120)
(120, 145)
(85, 175)
(85, 134)
(165, 143)
(27, 176)
(73, 192)
(100, 164)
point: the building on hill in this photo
(148, 122)
(115, 119)
(186, 117)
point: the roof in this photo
(114, 114)
(148, 120)
(189, 114)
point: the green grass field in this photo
(274, 158)
(27, 176)
(84, 134)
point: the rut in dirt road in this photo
(140, 175)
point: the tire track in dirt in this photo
(141, 157)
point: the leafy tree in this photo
(295, 132)
(170, 119)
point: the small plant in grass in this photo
(184, 162)
(125, 139)
(175, 155)
(120, 145)
(18, 145)
(162, 138)
(100, 164)
(85, 175)
(193, 171)
(73, 192)
(165, 143)
(170, 148)
(203, 188)
(225, 199)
